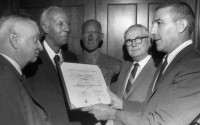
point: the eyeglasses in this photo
(138, 40)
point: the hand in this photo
(101, 111)
(117, 103)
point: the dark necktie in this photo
(163, 66)
(133, 72)
(56, 60)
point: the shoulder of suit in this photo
(110, 59)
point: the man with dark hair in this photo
(174, 95)
(92, 40)
(19, 45)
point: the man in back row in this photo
(174, 95)
(19, 45)
(92, 40)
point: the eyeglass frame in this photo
(137, 40)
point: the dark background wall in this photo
(114, 15)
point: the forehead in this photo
(134, 32)
(58, 15)
(163, 14)
(92, 26)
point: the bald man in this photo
(92, 40)
(19, 45)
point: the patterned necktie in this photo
(133, 72)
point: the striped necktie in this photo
(133, 72)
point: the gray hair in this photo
(45, 14)
(138, 26)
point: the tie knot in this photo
(56, 58)
(136, 65)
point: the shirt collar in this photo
(13, 62)
(143, 62)
(172, 55)
(51, 53)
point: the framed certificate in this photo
(84, 85)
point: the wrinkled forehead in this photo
(57, 14)
(135, 32)
(91, 27)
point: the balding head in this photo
(92, 23)
(19, 39)
(48, 14)
(92, 35)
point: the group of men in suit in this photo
(173, 96)
(170, 96)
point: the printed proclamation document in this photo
(84, 85)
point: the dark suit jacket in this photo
(46, 86)
(109, 66)
(18, 106)
(137, 94)
(176, 98)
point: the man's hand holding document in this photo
(84, 85)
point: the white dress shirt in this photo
(141, 63)
(51, 53)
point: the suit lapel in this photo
(174, 62)
(50, 71)
(141, 76)
(23, 81)
(126, 71)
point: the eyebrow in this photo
(156, 20)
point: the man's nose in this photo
(40, 46)
(90, 37)
(153, 30)
(66, 27)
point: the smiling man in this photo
(43, 77)
(174, 95)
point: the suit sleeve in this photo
(11, 112)
(132, 106)
(179, 104)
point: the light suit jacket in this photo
(176, 97)
(109, 66)
(137, 93)
(18, 105)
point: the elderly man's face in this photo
(165, 31)
(30, 45)
(137, 50)
(91, 36)
(58, 29)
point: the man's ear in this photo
(45, 28)
(14, 40)
(182, 25)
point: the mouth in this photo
(156, 40)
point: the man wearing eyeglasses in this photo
(135, 77)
